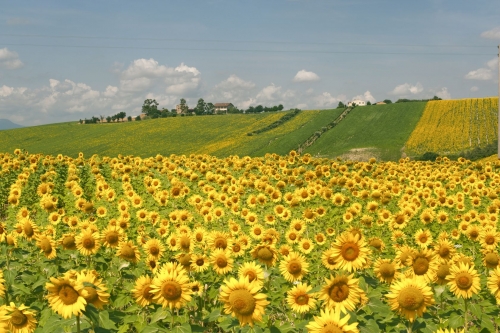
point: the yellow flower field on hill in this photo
(453, 126)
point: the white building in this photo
(358, 102)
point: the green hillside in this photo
(215, 135)
(377, 130)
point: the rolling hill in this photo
(6, 124)
(387, 132)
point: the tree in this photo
(129, 118)
(259, 108)
(233, 109)
(387, 101)
(209, 108)
(280, 107)
(138, 118)
(184, 106)
(368, 103)
(150, 107)
(200, 107)
(341, 105)
(108, 119)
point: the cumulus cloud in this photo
(491, 34)
(269, 93)
(483, 73)
(304, 76)
(110, 91)
(367, 97)
(407, 89)
(9, 59)
(443, 93)
(474, 88)
(234, 82)
(326, 99)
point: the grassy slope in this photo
(217, 135)
(383, 127)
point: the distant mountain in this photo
(7, 124)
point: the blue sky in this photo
(62, 60)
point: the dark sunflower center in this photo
(68, 295)
(331, 260)
(91, 294)
(199, 237)
(339, 291)
(306, 246)
(410, 298)
(45, 245)
(443, 271)
(292, 236)
(200, 262)
(489, 240)
(302, 299)
(331, 328)
(88, 242)
(18, 319)
(171, 290)
(420, 266)
(185, 260)
(376, 243)
(185, 243)
(242, 302)
(68, 242)
(154, 250)
(464, 280)
(265, 254)
(221, 262)
(423, 238)
(350, 251)
(220, 243)
(387, 270)
(146, 293)
(444, 251)
(251, 275)
(294, 267)
(236, 248)
(491, 259)
(127, 251)
(28, 229)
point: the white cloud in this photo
(443, 93)
(474, 88)
(301, 106)
(269, 93)
(186, 69)
(407, 89)
(6, 91)
(18, 21)
(326, 99)
(234, 82)
(145, 68)
(135, 85)
(480, 74)
(9, 59)
(367, 97)
(483, 73)
(303, 76)
(491, 34)
(110, 91)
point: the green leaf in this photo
(486, 323)
(214, 315)
(456, 321)
(93, 314)
(370, 326)
(184, 328)
(105, 322)
(21, 288)
(476, 310)
(160, 314)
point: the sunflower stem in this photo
(410, 327)
(465, 315)
(78, 324)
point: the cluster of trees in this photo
(94, 120)
(260, 108)
(406, 100)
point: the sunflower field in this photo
(453, 126)
(266, 244)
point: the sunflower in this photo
(221, 261)
(410, 297)
(2, 285)
(196, 288)
(350, 251)
(219, 240)
(329, 321)
(141, 291)
(293, 267)
(199, 263)
(21, 319)
(29, 229)
(154, 248)
(185, 260)
(171, 289)
(473, 232)
(46, 245)
(442, 272)
(423, 238)
(423, 264)
(464, 280)
(491, 259)
(306, 245)
(444, 250)
(285, 250)
(299, 299)
(292, 236)
(489, 238)
(66, 296)
(494, 283)
(298, 226)
(242, 300)
(328, 259)
(112, 236)
(128, 251)
(266, 254)
(386, 270)
(237, 249)
(341, 292)
(320, 238)
(377, 243)
(94, 291)
(87, 242)
(251, 271)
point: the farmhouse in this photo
(358, 102)
(222, 107)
